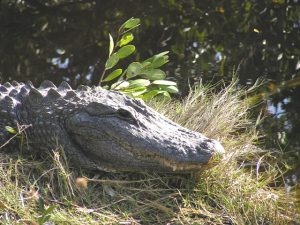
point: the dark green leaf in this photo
(151, 94)
(126, 38)
(113, 75)
(146, 64)
(157, 60)
(112, 61)
(131, 23)
(155, 93)
(125, 51)
(134, 69)
(154, 74)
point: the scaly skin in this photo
(102, 130)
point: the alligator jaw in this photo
(177, 166)
(155, 144)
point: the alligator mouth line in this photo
(155, 157)
(173, 165)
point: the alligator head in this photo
(121, 133)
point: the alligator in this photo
(100, 129)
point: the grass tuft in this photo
(244, 187)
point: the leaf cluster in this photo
(144, 79)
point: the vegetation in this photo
(141, 79)
(64, 39)
(243, 188)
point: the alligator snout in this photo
(192, 154)
(212, 145)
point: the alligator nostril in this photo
(203, 146)
(210, 146)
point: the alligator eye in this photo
(125, 113)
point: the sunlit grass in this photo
(242, 188)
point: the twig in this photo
(20, 130)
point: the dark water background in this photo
(208, 41)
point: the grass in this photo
(245, 187)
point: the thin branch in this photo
(20, 130)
